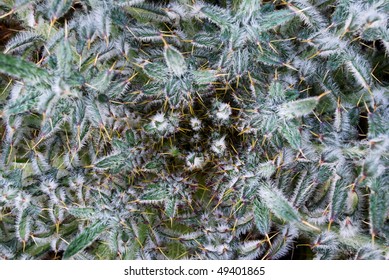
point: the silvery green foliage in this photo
(188, 130)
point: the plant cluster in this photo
(192, 129)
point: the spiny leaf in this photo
(217, 15)
(378, 204)
(38, 249)
(83, 213)
(113, 162)
(170, 207)
(175, 60)
(290, 131)
(378, 124)
(85, 238)
(277, 203)
(23, 226)
(155, 192)
(57, 8)
(204, 77)
(298, 108)
(261, 217)
(27, 101)
(274, 19)
(22, 69)
(22, 41)
(176, 251)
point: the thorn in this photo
(166, 45)
(132, 77)
(290, 66)
(66, 29)
(311, 226)
(96, 58)
(260, 47)
(272, 47)
(329, 225)
(314, 55)
(113, 65)
(323, 94)
(7, 14)
(52, 22)
(268, 240)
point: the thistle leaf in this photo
(274, 19)
(217, 15)
(171, 207)
(23, 226)
(204, 77)
(85, 238)
(113, 162)
(290, 131)
(174, 60)
(298, 108)
(277, 203)
(155, 193)
(22, 69)
(57, 8)
(378, 204)
(261, 217)
(22, 41)
(82, 213)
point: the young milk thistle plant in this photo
(189, 129)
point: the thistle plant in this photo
(239, 129)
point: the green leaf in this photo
(64, 58)
(154, 165)
(217, 15)
(268, 57)
(378, 122)
(378, 204)
(154, 193)
(171, 207)
(112, 162)
(58, 8)
(131, 137)
(104, 252)
(23, 226)
(290, 131)
(26, 101)
(142, 232)
(175, 60)
(274, 19)
(22, 41)
(84, 239)
(338, 198)
(175, 250)
(359, 68)
(146, 12)
(277, 203)
(22, 69)
(266, 169)
(156, 71)
(261, 217)
(37, 250)
(83, 213)
(247, 8)
(298, 108)
(204, 77)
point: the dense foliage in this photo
(240, 129)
